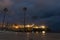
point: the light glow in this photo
(28, 26)
(16, 27)
(36, 27)
(43, 27)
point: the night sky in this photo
(45, 12)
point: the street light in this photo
(5, 10)
(24, 9)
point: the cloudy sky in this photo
(45, 12)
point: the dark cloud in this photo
(45, 12)
(5, 3)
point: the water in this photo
(28, 36)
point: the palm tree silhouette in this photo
(5, 10)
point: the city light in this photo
(36, 27)
(27, 26)
(21, 26)
(16, 27)
(43, 27)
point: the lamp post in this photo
(5, 10)
(24, 9)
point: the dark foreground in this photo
(28, 36)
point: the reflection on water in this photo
(36, 35)
(27, 33)
(37, 32)
(29, 36)
(43, 33)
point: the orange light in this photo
(16, 27)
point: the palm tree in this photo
(24, 9)
(5, 10)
